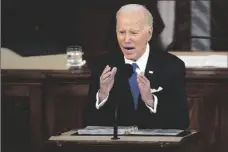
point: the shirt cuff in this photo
(153, 109)
(98, 103)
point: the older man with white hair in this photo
(153, 95)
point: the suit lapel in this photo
(151, 70)
(151, 73)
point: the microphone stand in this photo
(127, 71)
(115, 127)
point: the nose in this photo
(127, 38)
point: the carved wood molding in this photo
(191, 73)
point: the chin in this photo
(130, 56)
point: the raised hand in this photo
(106, 81)
(144, 88)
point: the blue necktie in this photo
(134, 85)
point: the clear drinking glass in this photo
(74, 55)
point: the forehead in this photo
(130, 20)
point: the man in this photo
(153, 96)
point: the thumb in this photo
(113, 71)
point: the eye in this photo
(134, 33)
(121, 32)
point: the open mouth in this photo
(129, 49)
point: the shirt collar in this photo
(141, 62)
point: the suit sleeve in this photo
(93, 116)
(174, 112)
(179, 111)
(153, 109)
(89, 111)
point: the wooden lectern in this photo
(69, 142)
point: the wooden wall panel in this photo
(54, 101)
(22, 117)
(64, 107)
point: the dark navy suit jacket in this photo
(168, 73)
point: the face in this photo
(133, 33)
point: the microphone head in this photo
(127, 70)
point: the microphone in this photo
(126, 72)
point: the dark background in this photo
(42, 27)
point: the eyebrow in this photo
(135, 30)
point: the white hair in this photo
(137, 7)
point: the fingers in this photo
(107, 74)
(113, 72)
(107, 68)
(142, 79)
(140, 85)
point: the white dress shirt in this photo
(141, 62)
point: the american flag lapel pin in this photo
(151, 72)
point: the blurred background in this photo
(44, 27)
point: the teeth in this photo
(129, 48)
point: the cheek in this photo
(143, 40)
(120, 38)
(140, 41)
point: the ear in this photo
(150, 32)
